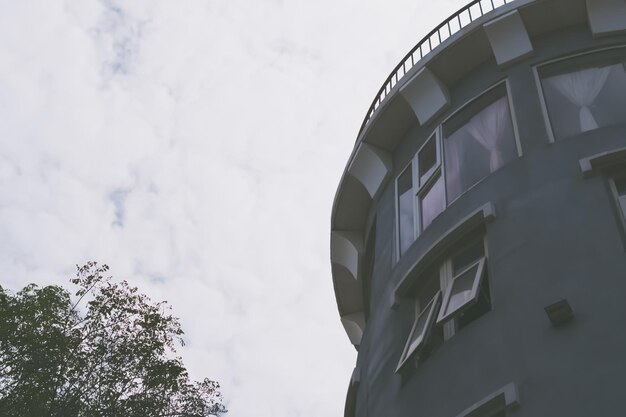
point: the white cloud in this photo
(195, 147)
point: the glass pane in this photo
(479, 147)
(405, 209)
(461, 292)
(420, 327)
(467, 257)
(432, 203)
(427, 160)
(586, 99)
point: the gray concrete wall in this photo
(556, 235)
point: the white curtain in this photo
(487, 127)
(581, 88)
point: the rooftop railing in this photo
(447, 28)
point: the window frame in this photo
(435, 307)
(536, 69)
(434, 136)
(433, 175)
(504, 83)
(445, 315)
(410, 165)
(411, 347)
(439, 170)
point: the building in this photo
(478, 242)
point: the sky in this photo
(195, 146)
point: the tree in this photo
(110, 352)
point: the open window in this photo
(420, 193)
(451, 295)
(474, 142)
(584, 92)
(463, 291)
(430, 190)
(420, 331)
(465, 286)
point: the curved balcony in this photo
(453, 24)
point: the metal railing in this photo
(450, 26)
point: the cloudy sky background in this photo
(195, 146)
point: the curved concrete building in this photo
(478, 241)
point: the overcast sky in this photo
(195, 146)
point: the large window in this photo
(585, 92)
(448, 298)
(476, 141)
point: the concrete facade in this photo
(550, 220)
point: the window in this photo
(470, 145)
(406, 224)
(448, 298)
(463, 291)
(478, 141)
(430, 189)
(585, 93)
(427, 305)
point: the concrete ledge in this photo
(354, 324)
(345, 250)
(371, 167)
(606, 17)
(602, 160)
(426, 95)
(466, 226)
(508, 38)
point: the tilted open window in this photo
(462, 292)
(448, 297)
(420, 330)
(430, 190)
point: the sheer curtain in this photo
(581, 88)
(487, 127)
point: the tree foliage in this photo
(109, 351)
